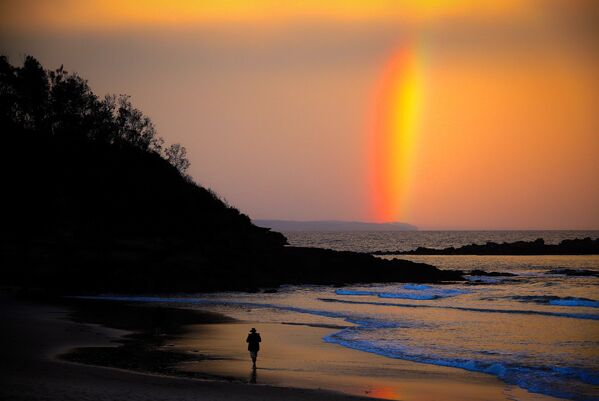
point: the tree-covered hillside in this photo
(93, 200)
(80, 166)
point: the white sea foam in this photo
(417, 287)
(557, 301)
(408, 296)
(560, 381)
(418, 292)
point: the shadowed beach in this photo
(35, 335)
(294, 363)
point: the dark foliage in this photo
(93, 200)
(82, 167)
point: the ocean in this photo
(537, 329)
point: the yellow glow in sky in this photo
(103, 14)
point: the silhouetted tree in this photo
(83, 164)
(177, 156)
(93, 198)
(32, 88)
(60, 103)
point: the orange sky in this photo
(273, 100)
(110, 14)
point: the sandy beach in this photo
(33, 335)
(294, 364)
(296, 355)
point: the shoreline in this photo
(195, 345)
(298, 356)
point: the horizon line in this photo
(425, 228)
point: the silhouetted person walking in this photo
(253, 341)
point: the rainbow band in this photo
(396, 127)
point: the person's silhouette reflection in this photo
(253, 376)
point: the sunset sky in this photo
(443, 114)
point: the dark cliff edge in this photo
(94, 201)
(584, 246)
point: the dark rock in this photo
(574, 272)
(584, 246)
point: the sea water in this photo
(538, 329)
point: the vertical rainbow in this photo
(394, 131)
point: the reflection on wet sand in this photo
(387, 393)
(296, 356)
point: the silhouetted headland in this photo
(94, 200)
(585, 246)
(333, 225)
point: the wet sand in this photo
(296, 356)
(294, 364)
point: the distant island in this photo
(584, 246)
(332, 225)
(95, 201)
